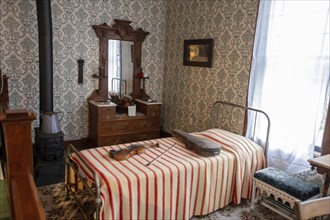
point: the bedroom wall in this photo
(188, 92)
(73, 39)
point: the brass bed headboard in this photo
(223, 114)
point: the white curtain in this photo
(290, 77)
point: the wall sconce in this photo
(80, 71)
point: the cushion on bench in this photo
(288, 183)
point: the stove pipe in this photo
(45, 55)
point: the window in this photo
(290, 77)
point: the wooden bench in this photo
(278, 191)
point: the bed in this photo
(178, 184)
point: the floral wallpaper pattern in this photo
(189, 92)
(73, 39)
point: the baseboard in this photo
(165, 134)
(79, 144)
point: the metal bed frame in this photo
(246, 110)
(94, 191)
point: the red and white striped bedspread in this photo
(179, 184)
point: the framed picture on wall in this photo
(198, 52)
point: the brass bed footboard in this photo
(93, 191)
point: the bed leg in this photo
(98, 203)
(67, 197)
(67, 180)
(97, 214)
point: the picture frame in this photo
(198, 52)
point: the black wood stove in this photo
(48, 156)
(49, 167)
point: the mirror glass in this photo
(120, 67)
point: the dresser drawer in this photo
(127, 126)
(106, 113)
(106, 127)
(149, 110)
(126, 138)
(153, 111)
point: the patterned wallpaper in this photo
(189, 92)
(19, 52)
(73, 39)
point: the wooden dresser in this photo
(106, 126)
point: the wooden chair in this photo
(312, 208)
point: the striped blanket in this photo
(179, 184)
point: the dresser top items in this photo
(102, 103)
(148, 102)
(108, 103)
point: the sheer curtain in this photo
(290, 77)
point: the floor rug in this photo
(58, 208)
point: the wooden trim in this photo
(4, 98)
(312, 208)
(23, 197)
(326, 134)
(27, 204)
(164, 133)
(79, 144)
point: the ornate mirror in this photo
(120, 59)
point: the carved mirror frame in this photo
(120, 30)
